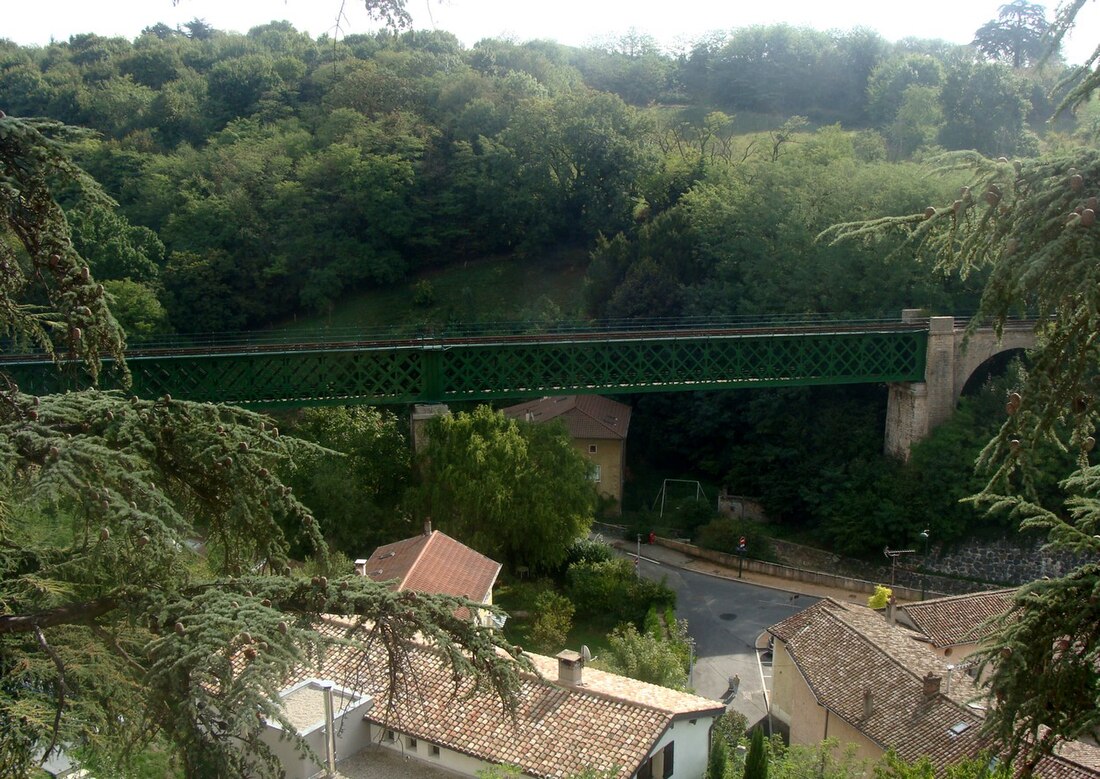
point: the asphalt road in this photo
(725, 617)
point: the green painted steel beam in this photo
(444, 371)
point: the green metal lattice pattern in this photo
(405, 372)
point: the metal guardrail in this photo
(294, 339)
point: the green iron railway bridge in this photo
(271, 369)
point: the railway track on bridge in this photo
(501, 361)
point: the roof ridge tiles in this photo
(824, 606)
(951, 598)
(419, 556)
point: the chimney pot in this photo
(428, 526)
(931, 686)
(891, 610)
(570, 667)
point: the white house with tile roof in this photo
(847, 672)
(568, 718)
(434, 563)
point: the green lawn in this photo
(519, 597)
(491, 289)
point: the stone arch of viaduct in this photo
(914, 409)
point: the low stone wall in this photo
(800, 556)
(788, 572)
(973, 567)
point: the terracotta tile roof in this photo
(843, 650)
(435, 563)
(585, 416)
(957, 619)
(624, 688)
(1072, 760)
(609, 723)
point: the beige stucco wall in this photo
(447, 759)
(810, 723)
(609, 456)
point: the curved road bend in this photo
(725, 617)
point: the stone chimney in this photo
(868, 703)
(570, 667)
(361, 567)
(931, 686)
(891, 610)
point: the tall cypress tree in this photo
(114, 631)
(756, 761)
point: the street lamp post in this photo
(924, 566)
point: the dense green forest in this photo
(269, 176)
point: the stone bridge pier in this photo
(914, 409)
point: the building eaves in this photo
(839, 661)
(556, 730)
(958, 619)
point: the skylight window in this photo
(959, 728)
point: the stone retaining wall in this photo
(788, 572)
(971, 567)
(1009, 561)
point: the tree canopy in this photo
(1017, 36)
(144, 543)
(1032, 223)
(516, 491)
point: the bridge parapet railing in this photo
(292, 339)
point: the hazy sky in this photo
(573, 22)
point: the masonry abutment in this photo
(915, 409)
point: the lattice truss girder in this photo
(406, 374)
(508, 370)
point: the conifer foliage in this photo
(1033, 223)
(146, 592)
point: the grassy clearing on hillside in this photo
(492, 289)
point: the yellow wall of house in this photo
(609, 456)
(795, 704)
